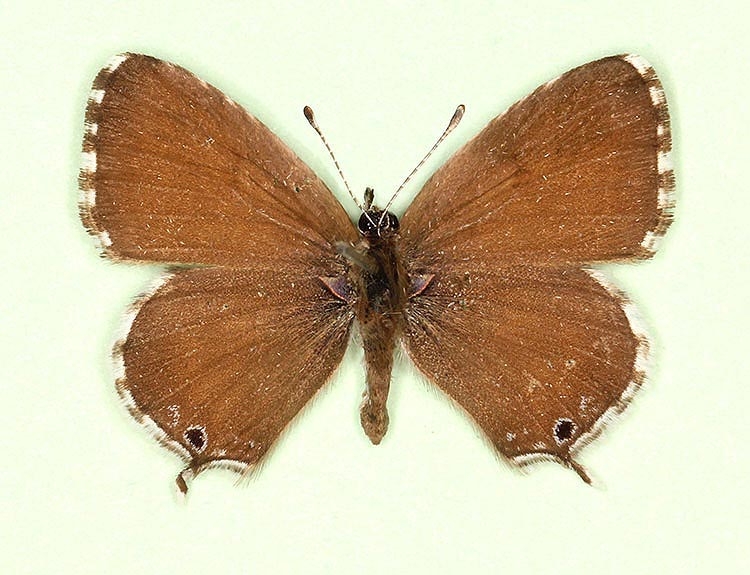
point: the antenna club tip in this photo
(307, 111)
(457, 115)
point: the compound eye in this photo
(391, 222)
(368, 224)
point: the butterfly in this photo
(485, 280)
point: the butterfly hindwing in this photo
(538, 355)
(205, 359)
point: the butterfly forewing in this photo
(537, 349)
(578, 171)
(174, 171)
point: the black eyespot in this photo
(196, 436)
(370, 226)
(564, 429)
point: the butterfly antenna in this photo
(457, 115)
(311, 119)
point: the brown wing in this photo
(539, 357)
(175, 171)
(217, 362)
(537, 350)
(578, 171)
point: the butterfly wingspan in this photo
(540, 358)
(174, 171)
(577, 172)
(205, 364)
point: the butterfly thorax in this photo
(379, 272)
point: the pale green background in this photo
(85, 490)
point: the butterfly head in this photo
(376, 223)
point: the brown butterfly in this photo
(483, 280)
